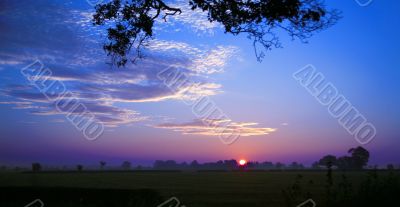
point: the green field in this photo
(193, 189)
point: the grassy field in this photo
(193, 189)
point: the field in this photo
(193, 189)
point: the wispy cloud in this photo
(195, 20)
(196, 59)
(58, 120)
(212, 127)
(20, 104)
(63, 38)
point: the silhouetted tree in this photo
(126, 165)
(328, 161)
(102, 165)
(296, 166)
(170, 164)
(159, 164)
(219, 165)
(231, 164)
(279, 165)
(315, 165)
(36, 167)
(165, 165)
(345, 163)
(251, 165)
(357, 161)
(267, 165)
(390, 167)
(183, 166)
(360, 157)
(131, 22)
(194, 164)
(79, 168)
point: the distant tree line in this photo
(223, 165)
(357, 159)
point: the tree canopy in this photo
(130, 23)
(360, 157)
(358, 160)
(328, 161)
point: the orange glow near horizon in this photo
(242, 162)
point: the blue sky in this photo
(144, 120)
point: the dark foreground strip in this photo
(78, 197)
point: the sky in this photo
(146, 119)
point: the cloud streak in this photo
(217, 127)
(62, 37)
(196, 20)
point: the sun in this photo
(242, 162)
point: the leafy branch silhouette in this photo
(130, 23)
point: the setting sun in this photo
(242, 162)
